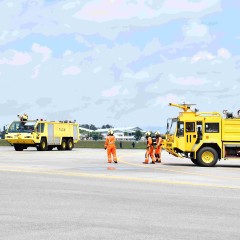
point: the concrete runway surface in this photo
(78, 195)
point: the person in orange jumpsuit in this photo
(150, 149)
(111, 147)
(158, 148)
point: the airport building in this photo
(120, 133)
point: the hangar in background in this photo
(120, 133)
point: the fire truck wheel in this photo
(207, 157)
(194, 161)
(50, 148)
(18, 147)
(43, 144)
(69, 144)
(63, 146)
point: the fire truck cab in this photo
(203, 137)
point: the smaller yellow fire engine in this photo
(42, 134)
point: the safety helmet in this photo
(25, 117)
(157, 133)
(148, 134)
(110, 132)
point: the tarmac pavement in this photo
(78, 195)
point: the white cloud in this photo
(139, 75)
(187, 80)
(105, 10)
(224, 53)
(16, 59)
(97, 69)
(3, 35)
(174, 7)
(168, 98)
(73, 70)
(111, 92)
(36, 71)
(10, 4)
(67, 53)
(45, 51)
(195, 30)
(202, 55)
(58, 18)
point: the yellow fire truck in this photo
(203, 137)
(44, 135)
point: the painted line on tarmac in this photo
(105, 176)
(177, 171)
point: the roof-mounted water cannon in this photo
(23, 117)
(228, 114)
(185, 106)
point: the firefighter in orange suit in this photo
(150, 149)
(111, 147)
(158, 148)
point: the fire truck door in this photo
(190, 135)
(180, 143)
(50, 134)
(75, 133)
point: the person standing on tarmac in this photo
(150, 149)
(111, 147)
(158, 149)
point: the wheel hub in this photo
(207, 157)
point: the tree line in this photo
(93, 127)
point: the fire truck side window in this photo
(40, 127)
(211, 127)
(190, 126)
(180, 130)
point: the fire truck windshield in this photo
(171, 125)
(21, 126)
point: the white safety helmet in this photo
(148, 133)
(157, 133)
(110, 132)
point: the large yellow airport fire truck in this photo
(203, 137)
(44, 135)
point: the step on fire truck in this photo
(42, 134)
(203, 137)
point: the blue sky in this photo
(117, 62)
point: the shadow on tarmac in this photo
(193, 165)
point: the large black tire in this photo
(18, 147)
(63, 145)
(43, 145)
(69, 144)
(195, 161)
(207, 157)
(50, 148)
